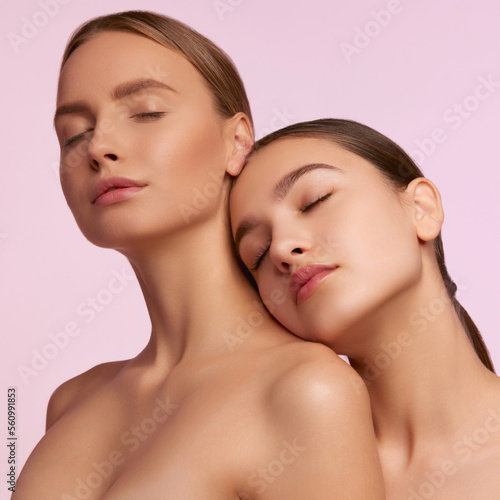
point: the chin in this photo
(119, 231)
(105, 241)
(114, 237)
(343, 326)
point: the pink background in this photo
(429, 57)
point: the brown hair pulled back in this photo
(215, 66)
(395, 165)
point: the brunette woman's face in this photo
(142, 145)
(329, 242)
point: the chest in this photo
(169, 450)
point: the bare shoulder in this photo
(316, 389)
(74, 389)
(318, 413)
(316, 376)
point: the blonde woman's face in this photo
(328, 241)
(140, 140)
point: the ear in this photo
(427, 208)
(240, 135)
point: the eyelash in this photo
(258, 258)
(262, 252)
(316, 202)
(153, 115)
(77, 138)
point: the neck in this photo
(195, 293)
(424, 379)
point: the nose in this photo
(287, 252)
(104, 147)
(96, 163)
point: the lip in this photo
(307, 278)
(114, 189)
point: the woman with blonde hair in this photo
(222, 403)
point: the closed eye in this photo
(153, 115)
(77, 138)
(259, 257)
(316, 202)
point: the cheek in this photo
(275, 295)
(383, 251)
(188, 161)
(373, 228)
(393, 239)
(72, 184)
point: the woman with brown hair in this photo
(339, 220)
(223, 403)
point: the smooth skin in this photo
(303, 202)
(223, 403)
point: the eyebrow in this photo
(128, 88)
(281, 189)
(121, 91)
(283, 186)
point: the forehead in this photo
(111, 58)
(252, 193)
(277, 159)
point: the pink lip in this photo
(306, 279)
(114, 189)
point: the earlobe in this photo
(428, 210)
(241, 137)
